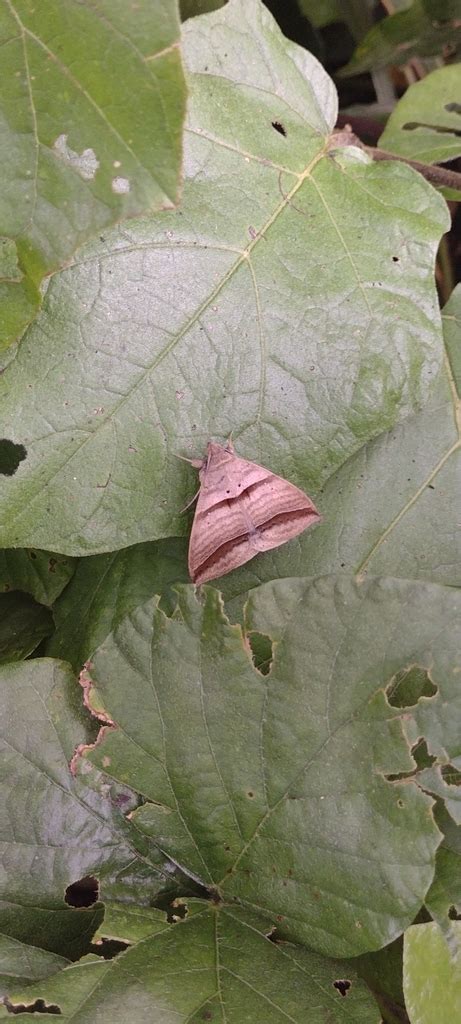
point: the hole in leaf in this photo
(262, 652)
(453, 914)
(453, 108)
(408, 686)
(11, 455)
(440, 129)
(83, 893)
(108, 948)
(395, 259)
(342, 985)
(451, 775)
(38, 1007)
(280, 128)
(273, 935)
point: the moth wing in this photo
(218, 522)
(256, 512)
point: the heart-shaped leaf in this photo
(92, 108)
(273, 788)
(291, 300)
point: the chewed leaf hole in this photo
(342, 985)
(280, 128)
(83, 893)
(108, 948)
(11, 455)
(453, 914)
(262, 652)
(440, 129)
(408, 686)
(450, 775)
(39, 1006)
(453, 108)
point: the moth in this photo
(242, 509)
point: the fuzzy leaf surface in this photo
(290, 300)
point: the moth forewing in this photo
(242, 509)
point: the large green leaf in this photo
(431, 976)
(106, 587)
(217, 965)
(291, 300)
(54, 828)
(392, 508)
(92, 108)
(273, 787)
(426, 123)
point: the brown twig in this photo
(437, 175)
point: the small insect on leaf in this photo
(242, 509)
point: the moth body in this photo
(242, 509)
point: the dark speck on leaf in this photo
(431, 487)
(279, 127)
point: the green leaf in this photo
(43, 574)
(431, 976)
(92, 107)
(217, 965)
(54, 828)
(107, 587)
(426, 122)
(443, 899)
(416, 32)
(274, 787)
(23, 625)
(270, 304)
(392, 508)
(21, 963)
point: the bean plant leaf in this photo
(416, 32)
(216, 965)
(54, 828)
(431, 975)
(92, 108)
(290, 300)
(443, 899)
(106, 587)
(274, 788)
(43, 574)
(426, 122)
(20, 963)
(23, 625)
(392, 508)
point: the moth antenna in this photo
(191, 502)
(229, 444)
(196, 463)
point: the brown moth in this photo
(242, 509)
